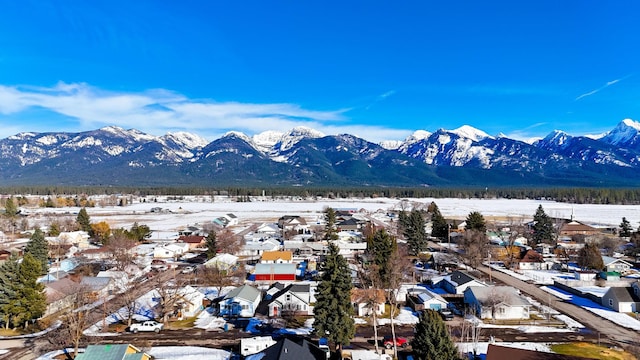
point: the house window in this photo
(245, 307)
(288, 297)
(610, 302)
(501, 310)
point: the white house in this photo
(612, 264)
(240, 302)
(170, 251)
(256, 248)
(292, 299)
(222, 262)
(426, 300)
(622, 299)
(77, 238)
(189, 301)
(457, 282)
(268, 229)
(497, 302)
(366, 301)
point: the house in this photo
(113, 352)
(60, 295)
(496, 352)
(170, 251)
(188, 301)
(577, 228)
(78, 238)
(300, 248)
(288, 349)
(457, 282)
(293, 223)
(349, 224)
(194, 241)
(222, 262)
(497, 302)
(532, 260)
(292, 299)
(100, 287)
(268, 229)
(612, 264)
(365, 301)
(622, 299)
(232, 219)
(275, 272)
(240, 302)
(254, 249)
(426, 300)
(276, 257)
(101, 253)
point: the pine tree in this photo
(380, 246)
(475, 221)
(138, 232)
(625, 228)
(439, 226)
(31, 295)
(84, 221)
(331, 233)
(431, 340)
(38, 247)
(212, 245)
(8, 287)
(10, 208)
(542, 228)
(333, 311)
(415, 232)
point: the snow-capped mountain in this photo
(304, 156)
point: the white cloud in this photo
(158, 111)
(606, 85)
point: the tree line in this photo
(561, 194)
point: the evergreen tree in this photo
(138, 232)
(542, 228)
(475, 221)
(54, 229)
(84, 221)
(415, 233)
(431, 340)
(380, 246)
(331, 232)
(30, 295)
(38, 247)
(8, 287)
(333, 311)
(212, 245)
(625, 228)
(590, 258)
(10, 208)
(439, 226)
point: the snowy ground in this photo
(200, 209)
(618, 318)
(171, 352)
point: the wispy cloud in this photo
(527, 134)
(160, 111)
(380, 98)
(606, 85)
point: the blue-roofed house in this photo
(426, 300)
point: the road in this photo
(613, 332)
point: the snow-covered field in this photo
(200, 209)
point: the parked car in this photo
(146, 326)
(401, 342)
(446, 314)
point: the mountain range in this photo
(112, 156)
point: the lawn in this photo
(592, 351)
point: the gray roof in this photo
(96, 283)
(623, 294)
(505, 294)
(244, 292)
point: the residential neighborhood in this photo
(261, 282)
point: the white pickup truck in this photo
(146, 326)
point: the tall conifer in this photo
(431, 340)
(333, 311)
(38, 247)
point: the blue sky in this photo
(376, 69)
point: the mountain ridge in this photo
(303, 156)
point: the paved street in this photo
(608, 330)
